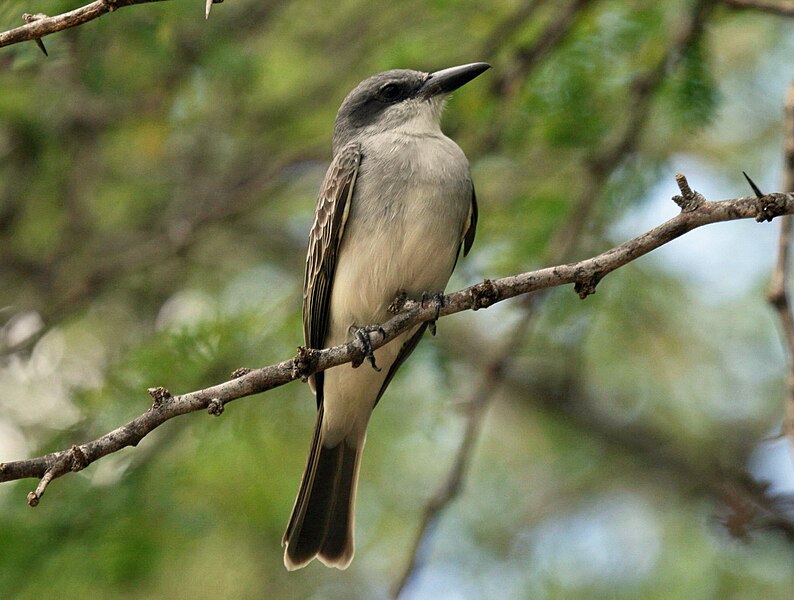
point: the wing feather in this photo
(333, 206)
(471, 229)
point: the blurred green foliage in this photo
(157, 182)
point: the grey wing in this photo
(333, 205)
(471, 229)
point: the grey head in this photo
(401, 100)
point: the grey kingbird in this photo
(396, 205)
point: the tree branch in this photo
(37, 26)
(783, 8)
(476, 405)
(585, 275)
(608, 157)
(751, 505)
(777, 294)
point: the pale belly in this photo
(402, 235)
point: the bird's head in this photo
(401, 100)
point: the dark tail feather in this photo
(321, 524)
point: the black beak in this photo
(448, 80)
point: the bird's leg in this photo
(439, 300)
(362, 334)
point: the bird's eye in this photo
(390, 92)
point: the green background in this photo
(158, 174)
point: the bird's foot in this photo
(362, 334)
(439, 300)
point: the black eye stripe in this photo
(390, 92)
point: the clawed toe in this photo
(439, 300)
(362, 334)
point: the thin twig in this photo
(777, 294)
(43, 25)
(449, 489)
(783, 8)
(560, 249)
(584, 274)
(779, 299)
(751, 504)
(611, 154)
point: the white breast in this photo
(407, 217)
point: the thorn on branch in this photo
(758, 193)
(483, 295)
(159, 395)
(28, 18)
(586, 285)
(304, 363)
(208, 7)
(237, 373)
(215, 407)
(770, 206)
(689, 200)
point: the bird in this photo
(394, 211)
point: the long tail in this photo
(322, 519)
